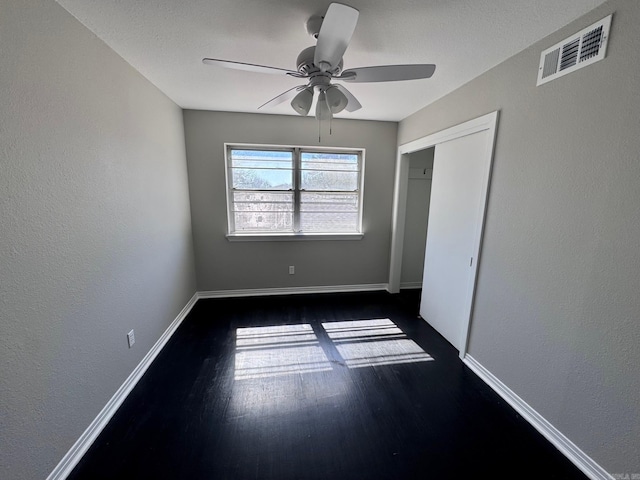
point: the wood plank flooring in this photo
(332, 386)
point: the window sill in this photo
(288, 237)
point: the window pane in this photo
(255, 179)
(261, 158)
(262, 184)
(253, 170)
(263, 211)
(329, 181)
(251, 158)
(328, 212)
(329, 171)
(330, 161)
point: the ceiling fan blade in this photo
(250, 67)
(387, 73)
(335, 34)
(283, 97)
(353, 104)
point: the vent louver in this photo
(551, 63)
(579, 50)
(569, 54)
(591, 43)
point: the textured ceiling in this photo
(165, 40)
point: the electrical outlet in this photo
(131, 338)
(292, 270)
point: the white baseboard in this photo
(407, 285)
(570, 450)
(257, 292)
(75, 453)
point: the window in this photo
(294, 191)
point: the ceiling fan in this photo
(323, 63)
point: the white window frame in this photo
(297, 151)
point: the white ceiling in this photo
(165, 40)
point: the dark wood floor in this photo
(334, 386)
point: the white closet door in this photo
(458, 190)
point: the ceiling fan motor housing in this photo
(306, 66)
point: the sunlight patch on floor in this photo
(367, 343)
(263, 352)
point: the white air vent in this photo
(577, 51)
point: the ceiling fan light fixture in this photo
(336, 100)
(313, 25)
(323, 112)
(301, 103)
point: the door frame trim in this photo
(485, 122)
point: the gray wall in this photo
(557, 306)
(95, 234)
(224, 265)
(417, 217)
